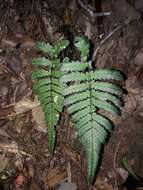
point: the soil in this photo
(25, 162)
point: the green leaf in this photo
(83, 46)
(76, 76)
(74, 66)
(81, 113)
(106, 74)
(106, 106)
(128, 168)
(107, 87)
(76, 97)
(78, 106)
(46, 48)
(108, 97)
(60, 46)
(41, 61)
(76, 88)
(41, 74)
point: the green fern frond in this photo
(48, 86)
(86, 94)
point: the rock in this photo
(67, 186)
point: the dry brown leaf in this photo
(3, 133)
(19, 181)
(3, 162)
(39, 119)
(130, 104)
(25, 105)
(67, 186)
(55, 176)
(34, 186)
(103, 184)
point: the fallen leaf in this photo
(19, 181)
(67, 186)
(55, 176)
(3, 162)
(103, 184)
(39, 119)
(25, 105)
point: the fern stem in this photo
(91, 175)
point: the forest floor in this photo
(25, 162)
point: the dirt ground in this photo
(25, 163)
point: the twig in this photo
(104, 40)
(18, 108)
(114, 165)
(90, 11)
(69, 172)
(13, 148)
(4, 23)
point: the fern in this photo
(47, 85)
(88, 92)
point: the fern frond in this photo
(48, 86)
(84, 96)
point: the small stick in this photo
(69, 172)
(13, 148)
(90, 11)
(104, 40)
(4, 23)
(114, 164)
